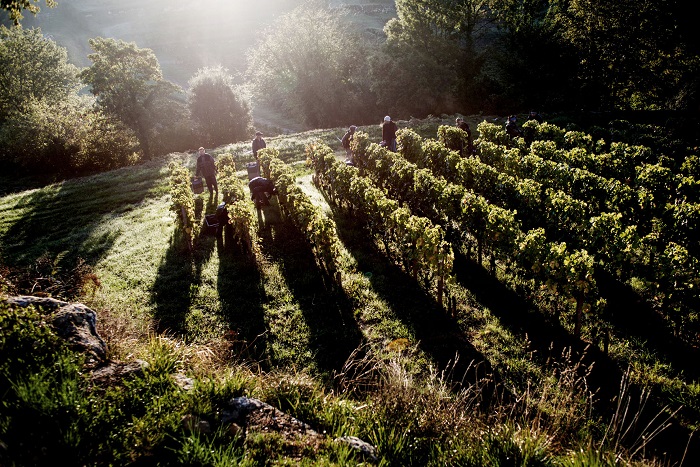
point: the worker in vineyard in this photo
(261, 189)
(206, 167)
(512, 127)
(389, 133)
(533, 115)
(347, 139)
(258, 143)
(462, 125)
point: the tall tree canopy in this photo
(430, 58)
(45, 126)
(15, 8)
(632, 54)
(309, 64)
(129, 84)
(220, 112)
(32, 68)
(531, 66)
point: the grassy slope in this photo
(272, 310)
(120, 223)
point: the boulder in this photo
(112, 372)
(74, 322)
(366, 449)
(256, 415)
(245, 415)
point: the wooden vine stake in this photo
(579, 315)
(441, 279)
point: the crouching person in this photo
(261, 189)
(222, 219)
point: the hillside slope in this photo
(273, 311)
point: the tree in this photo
(15, 8)
(67, 137)
(523, 54)
(652, 65)
(218, 109)
(429, 61)
(32, 68)
(310, 64)
(129, 84)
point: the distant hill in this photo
(183, 38)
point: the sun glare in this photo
(232, 12)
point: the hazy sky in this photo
(184, 35)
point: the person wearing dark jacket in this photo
(462, 125)
(347, 139)
(258, 143)
(535, 116)
(260, 190)
(206, 167)
(512, 128)
(389, 133)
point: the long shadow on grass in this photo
(438, 334)
(177, 281)
(633, 318)
(241, 293)
(550, 340)
(334, 333)
(547, 338)
(64, 216)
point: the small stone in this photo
(235, 430)
(356, 443)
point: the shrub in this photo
(69, 137)
(550, 132)
(218, 110)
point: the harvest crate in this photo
(197, 185)
(211, 223)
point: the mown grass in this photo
(494, 385)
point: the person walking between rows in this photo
(206, 167)
(512, 128)
(258, 144)
(462, 125)
(389, 133)
(347, 139)
(534, 115)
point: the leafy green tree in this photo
(32, 68)
(129, 85)
(219, 111)
(67, 137)
(310, 64)
(15, 8)
(429, 62)
(640, 54)
(522, 54)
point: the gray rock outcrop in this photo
(74, 322)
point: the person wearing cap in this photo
(462, 125)
(389, 133)
(347, 138)
(258, 143)
(206, 167)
